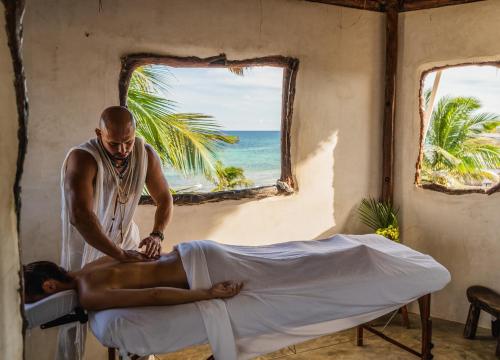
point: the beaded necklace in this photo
(123, 178)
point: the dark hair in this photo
(37, 272)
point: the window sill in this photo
(444, 189)
(202, 198)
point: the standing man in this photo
(102, 181)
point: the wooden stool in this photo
(482, 298)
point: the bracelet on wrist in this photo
(158, 234)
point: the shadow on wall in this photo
(352, 224)
(354, 116)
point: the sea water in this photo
(258, 153)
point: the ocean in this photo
(257, 152)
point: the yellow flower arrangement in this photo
(390, 232)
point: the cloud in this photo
(249, 102)
(482, 82)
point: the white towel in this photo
(290, 286)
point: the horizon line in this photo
(248, 130)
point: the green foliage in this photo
(455, 149)
(237, 70)
(380, 216)
(186, 141)
(377, 214)
(229, 177)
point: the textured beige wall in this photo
(11, 344)
(462, 232)
(335, 134)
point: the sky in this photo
(482, 82)
(249, 102)
(253, 101)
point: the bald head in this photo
(117, 131)
(116, 117)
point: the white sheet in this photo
(293, 292)
(50, 308)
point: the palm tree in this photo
(455, 148)
(229, 177)
(186, 141)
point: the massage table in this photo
(367, 276)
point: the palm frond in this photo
(189, 142)
(237, 70)
(454, 145)
(377, 214)
(492, 126)
(427, 97)
(482, 122)
(229, 177)
(152, 79)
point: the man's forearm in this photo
(88, 225)
(163, 214)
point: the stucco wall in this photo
(73, 61)
(11, 344)
(461, 232)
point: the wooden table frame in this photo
(424, 304)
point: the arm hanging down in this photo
(102, 299)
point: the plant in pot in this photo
(381, 216)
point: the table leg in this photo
(111, 353)
(359, 336)
(405, 317)
(424, 304)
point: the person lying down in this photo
(204, 269)
(107, 283)
(292, 291)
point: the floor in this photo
(447, 338)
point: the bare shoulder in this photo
(152, 154)
(81, 161)
(87, 291)
(154, 162)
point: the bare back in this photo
(106, 274)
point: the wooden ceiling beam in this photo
(372, 5)
(405, 5)
(412, 5)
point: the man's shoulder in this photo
(82, 159)
(150, 150)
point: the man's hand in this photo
(153, 246)
(225, 289)
(134, 256)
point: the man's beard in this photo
(119, 158)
